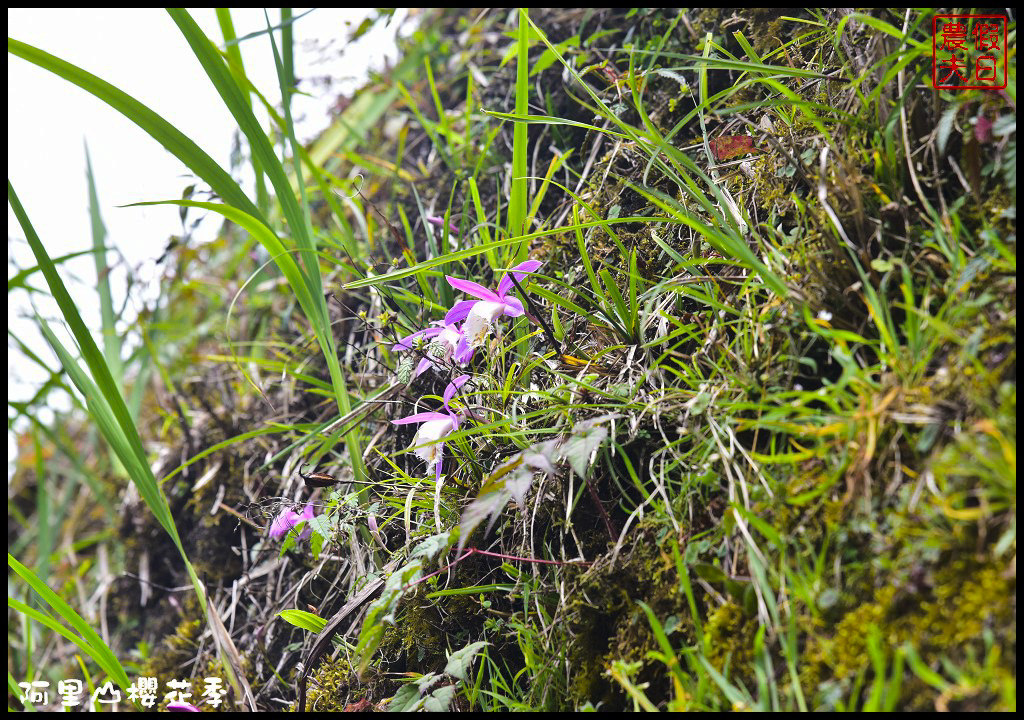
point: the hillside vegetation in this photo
(739, 431)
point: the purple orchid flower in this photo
(288, 519)
(181, 707)
(437, 221)
(429, 440)
(480, 314)
(448, 343)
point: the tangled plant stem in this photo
(501, 556)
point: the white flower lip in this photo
(432, 432)
(479, 320)
(451, 337)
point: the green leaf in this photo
(382, 610)
(439, 700)
(548, 57)
(87, 638)
(945, 126)
(406, 699)
(111, 340)
(102, 394)
(432, 546)
(304, 620)
(520, 175)
(460, 661)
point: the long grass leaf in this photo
(517, 198)
(100, 652)
(111, 340)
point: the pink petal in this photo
(474, 289)
(284, 522)
(459, 311)
(406, 342)
(513, 308)
(420, 417)
(453, 387)
(307, 515)
(453, 229)
(983, 129)
(520, 271)
(423, 365)
(463, 353)
(181, 707)
(440, 460)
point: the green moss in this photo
(175, 653)
(730, 634)
(850, 641)
(948, 624)
(606, 624)
(333, 686)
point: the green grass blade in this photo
(234, 55)
(104, 402)
(90, 639)
(235, 100)
(20, 279)
(105, 389)
(111, 340)
(517, 199)
(296, 216)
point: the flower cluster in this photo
(456, 338)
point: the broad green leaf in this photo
(406, 699)
(382, 611)
(460, 661)
(304, 620)
(439, 700)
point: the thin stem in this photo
(475, 551)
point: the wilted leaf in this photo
(460, 661)
(581, 445)
(728, 147)
(518, 484)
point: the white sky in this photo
(142, 52)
